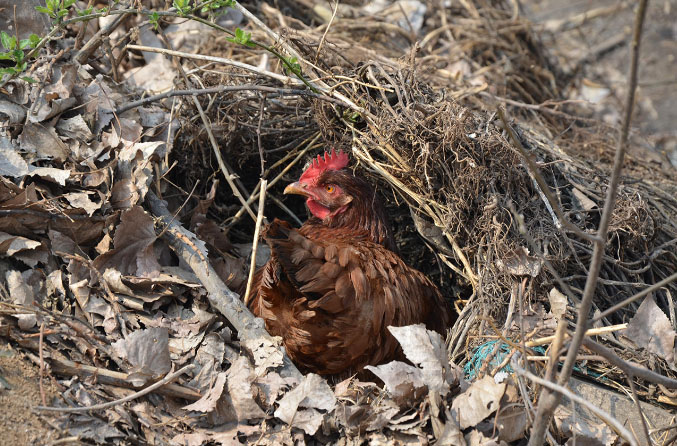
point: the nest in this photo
(430, 138)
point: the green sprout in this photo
(56, 9)
(243, 38)
(15, 52)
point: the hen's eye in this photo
(330, 189)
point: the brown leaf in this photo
(124, 194)
(10, 244)
(314, 393)
(209, 400)
(426, 349)
(478, 402)
(132, 252)
(265, 353)
(147, 351)
(451, 434)
(23, 294)
(582, 430)
(43, 141)
(511, 421)
(60, 243)
(651, 329)
(81, 200)
(75, 128)
(477, 438)
(558, 303)
(520, 263)
(404, 382)
(239, 401)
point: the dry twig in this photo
(548, 401)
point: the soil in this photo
(655, 111)
(19, 423)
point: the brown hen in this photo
(332, 287)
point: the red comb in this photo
(331, 161)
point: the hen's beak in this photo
(297, 188)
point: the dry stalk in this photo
(278, 77)
(607, 418)
(205, 120)
(255, 242)
(635, 297)
(548, 401)
(166, 380)
(628, 367)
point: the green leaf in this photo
(84, 12)
(5, 40)
(24, 43)
(43, 10)
(62, 13)
(8, 70)
(5, 56)
(154, 19)
(35, 39)
(28, 79)
(68, 3)
(17, 55)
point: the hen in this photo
(332, 287)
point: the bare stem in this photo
(255, 243)
(548, 400)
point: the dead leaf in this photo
(238, 403)
(269, 387)
(404, 382)
(451, 434)
(210, 398)
(43, 141)
(81, 200)
(583, 201)
(11, 244)
(148, 353)
(132, 252)
(11, 163)
(313, 393)
(520, 263)
(478, 402)
(265, 353)
(511, 421)
(583, 431)
(426, 349)
(477, 438)
(59, 176)
(651, 329)
(558, 303)
(75, 128)
(113, 279)
(22, 294)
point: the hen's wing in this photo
(331, 295)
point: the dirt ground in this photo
(19, 423)
(600, 37)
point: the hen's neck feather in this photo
(365, 214)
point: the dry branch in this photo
(548, 401)
(220, 297)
